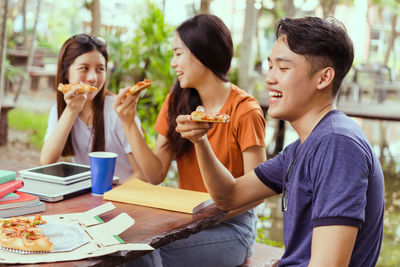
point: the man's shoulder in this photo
(337, 125)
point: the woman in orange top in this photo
(202, 56)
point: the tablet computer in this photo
(53, 192)
(59, 172)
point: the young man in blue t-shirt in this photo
(330, 179)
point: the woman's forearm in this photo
(150, 165)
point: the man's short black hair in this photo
(324, 43)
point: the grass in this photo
(32, 122)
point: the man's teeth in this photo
(275, 94)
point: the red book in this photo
(10, 187)
(8, 197)
(23, 200)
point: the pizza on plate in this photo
(200, 115)
(139, 87)
(23, 233)
(83, 88)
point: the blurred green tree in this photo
(146, 55)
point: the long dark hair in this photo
(324, 43)
(210, 41)
(71, 49)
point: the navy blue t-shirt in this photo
(335, 179)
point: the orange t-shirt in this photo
(228, 140)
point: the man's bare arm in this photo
(332, 245)
(227, 192)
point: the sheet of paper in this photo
(138, 192)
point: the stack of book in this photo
(14, 202)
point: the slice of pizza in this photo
(22, 221)
(22, 233)
(83, 88)
(200, 115)
(139, 87)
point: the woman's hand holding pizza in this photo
(126, 101)
(125, 105)
(75, 100)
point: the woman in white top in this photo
(83, 122)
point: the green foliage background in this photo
(28, 121)
(146, 56)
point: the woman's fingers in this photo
(193, 134)
(125, 106)
(121, 98)
(181, 119)
(192, 130)
(186, 122)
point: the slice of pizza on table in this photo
(83, 88)
(200, 115)
(24, 233)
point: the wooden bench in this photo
(264, 256)
(36, 73)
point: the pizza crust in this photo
(17, 243)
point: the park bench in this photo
(370, 92)
(374, 81)
(38, 73)
(40, 69)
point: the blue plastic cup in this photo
(102, 166)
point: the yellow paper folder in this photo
(138, 192)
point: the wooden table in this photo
(155, 227)
(152, 226)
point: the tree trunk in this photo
(25, 35)
(258, 48)
(205, 6)
(246, 59)
(30, 54)
(393, 36)
(280, 137)
(368, 40)
(289, 8)
(328, 7)
(96, 17)
(163, 8)
(3, 44)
